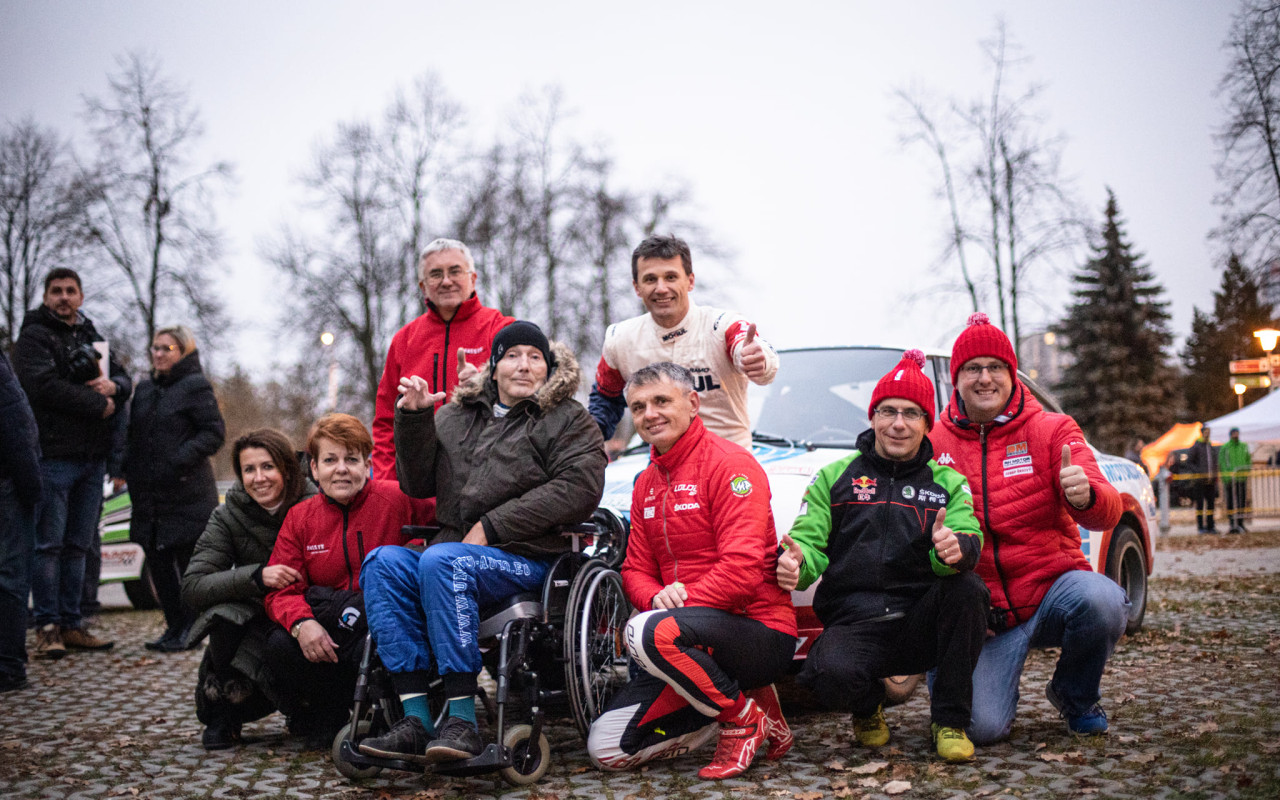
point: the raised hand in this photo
(416, 395)
(945, 542)
(789, 564)
(466, 370)
(1075, 484)
(754, 363)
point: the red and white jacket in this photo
(708, 342)
(1013, 466)
(428, 348)
(327, 542)
(700, 515)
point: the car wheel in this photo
(1127, 566)
(142, 592)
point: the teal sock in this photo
(463, 708)
(415, 705)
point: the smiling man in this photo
(716, 630)
(511, 458)
(893, 537)
(443, 345)
(718, 347)
(1036, 481)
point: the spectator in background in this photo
(1202, 463)
(443, 346)
(314, 655)
(1134, 453)
(174, 428)
(1234, 463)
(74, 394)
(228, 577)
(19, 494)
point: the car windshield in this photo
(820, 397)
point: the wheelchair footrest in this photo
(493, 758)
(352, 755)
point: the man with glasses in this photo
(892, 535)
(75, 395)
(1035, 481)
(443, 346)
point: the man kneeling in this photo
(701, 558)
(511, 459)
(894, 538)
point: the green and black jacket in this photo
(866, 528)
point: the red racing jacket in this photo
(700, 515)
(1012, 465)
(428, 348)
(327, 542)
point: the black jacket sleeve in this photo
(19, 439)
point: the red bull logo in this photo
(864, 483)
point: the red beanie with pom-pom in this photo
(907, 381)
(981, 338)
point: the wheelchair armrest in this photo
(576, 532)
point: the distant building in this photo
(1042, 358)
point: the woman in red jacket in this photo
(314, 655)
(717, 630)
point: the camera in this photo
(998, 619)
(82, 363)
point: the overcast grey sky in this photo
(781, 122)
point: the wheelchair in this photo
(561, 651)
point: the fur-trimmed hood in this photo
(561, 384)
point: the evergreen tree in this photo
(1121, 383)
(1238, 311)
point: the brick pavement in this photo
(1193, 702)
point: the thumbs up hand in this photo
(1075, 484)
(466, 370)
(789, 564)
(754, 363)
(945, 542)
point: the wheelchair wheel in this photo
(346, 768)
(610, 544)
(529, 759)
(596, 656)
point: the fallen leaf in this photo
(1206, 727)
(836, 765)
(807, 795)
(896, 787)
(845, 792)
(869, 768)
(870, 783)
(1141, 758)
(1052, 757)
(1039, 746)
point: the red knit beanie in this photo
(908, 382)
(981, 338)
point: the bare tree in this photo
(39, 208)
(149, 212)
(1003, 185)
(1249, 165)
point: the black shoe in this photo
(167, 642)
(12, 683)
(220, 735)
(456, 739)
(407, 739)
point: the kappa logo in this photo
(740, 485)
(1019, 449)
(946, 459)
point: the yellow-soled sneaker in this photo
(952, 744)
(872, 731)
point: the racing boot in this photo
(775, 725)
(740, 738)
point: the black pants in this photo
(321, 691)
(166, 568)
(1236, 503)
(1203, 493)
(944, 629)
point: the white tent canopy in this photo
(1259, 422)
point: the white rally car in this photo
(811, 415)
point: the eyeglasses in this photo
(996, 369)
(437, 276)
(909, 414)
(163, 348)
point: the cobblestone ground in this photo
(1193, 703)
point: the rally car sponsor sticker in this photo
(740, 485)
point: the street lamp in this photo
(331, 401)
(1239, 387)
(1268, 337)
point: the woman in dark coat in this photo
(174, 427)
(228, 577)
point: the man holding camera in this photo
(74, 395)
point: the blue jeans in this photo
(65, 523)
(1085, 614)
(17, 540)
(425, 606)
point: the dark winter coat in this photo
(174, 427)
(224, 578)
(19, 440)
(522, 476)
(68, 412)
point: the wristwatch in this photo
(296, 629)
